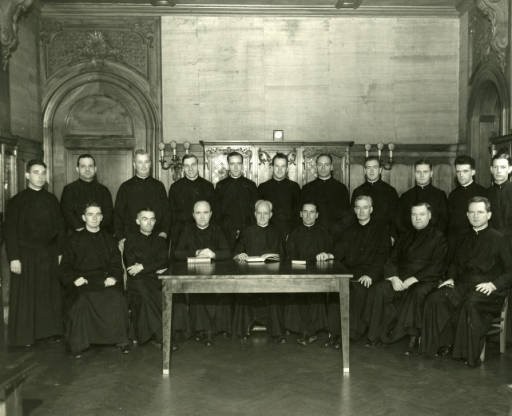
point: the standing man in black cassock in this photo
(92, 273)
(423, 191)
(34, 232)
(385, 202)
(139, 192)
(330, 196)
(394, 307)
(260, 239)
(305, 314)
(209, 313)
(145, 255)
(363, 249)
(500, 193)
(461, 310)
(467, 188)
(85, 189)
(235, 197)
(184, 193)
(284, 194)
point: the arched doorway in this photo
(487, 118)
(99, 113)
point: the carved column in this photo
(10, 12)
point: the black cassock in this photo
(333, 204)
(95, 314)
(144, 289)
(460, 316)
(264, 309)
(385, 202)
(391, 315)
(363, 249)
(136, 194)
(458, 223)
(306, 313)
(34, 232)
(183, 194)
(500, 197)
(434, 196)
(77, 194)
(208, 312)
(285, 198)
(234, 206)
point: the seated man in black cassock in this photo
(209, 313)
(458, 315)
(394, 307)
(363, 249)
(93, 275)
(261, 239)
(145, 255)
(305, 314)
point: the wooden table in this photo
(231, 277)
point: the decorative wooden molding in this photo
(10, 12)
(128, 41)
(51, 9)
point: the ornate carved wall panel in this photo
(126, 41)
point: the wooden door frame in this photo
(126, 81)
(487, 76)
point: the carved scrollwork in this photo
(10, 12)
(126, 41)
(489, 30)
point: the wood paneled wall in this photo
(328, 78)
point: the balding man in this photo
(260, 239)
(363, 249)
(210, 314)
(394, 307)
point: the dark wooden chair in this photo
(499, 326)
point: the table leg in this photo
(344, 320)
(166, 326)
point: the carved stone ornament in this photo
(10, 12)
(96, 49)
(496, 12)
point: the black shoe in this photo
(312, 339)
(175, 347)
(244, 339)
(444, 351)
(208, 343)
(125, 348)
(374, 343)
(302, 341)
(412, 347)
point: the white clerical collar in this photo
(483, 227)
(140, 177)
(372, 182)
(366, 222)
(465, 186)
(202, 228)
(325, 179)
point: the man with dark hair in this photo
(394, 307)
(209, 313)
(460, 312)
(260, 239)
(93, 275)
(500, 193)
(34, 233)
(86, 188)
(284, 195)
(330, 196)
(423, 191)
(235, 197)
(384, 197)
(145, 255)
(184, 193)
(136, 193)
(305, 314)
(363, 249)
(467, 188)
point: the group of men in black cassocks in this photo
(424, 266)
